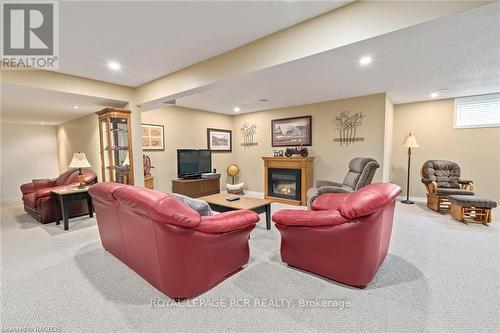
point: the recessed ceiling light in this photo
(434, 94)
(236, 109)
(42, 123)
(75, 106)
(366, 60)
(114, 65)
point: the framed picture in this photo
(219, 139)
(153, 137)
(291, 131)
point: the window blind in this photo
(477, 111)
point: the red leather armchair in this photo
(40, 203)
(170, 245)
(347, 243)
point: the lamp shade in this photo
(79, 161)
(410, 142)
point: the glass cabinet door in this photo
(106, 167)
(120, 156)
(116, 155)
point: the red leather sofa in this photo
(346, 243)
(40, 203)
(179, 252)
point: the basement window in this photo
(477, 111)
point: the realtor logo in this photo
(29, 35)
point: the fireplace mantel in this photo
(304, 164)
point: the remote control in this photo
(233, 198)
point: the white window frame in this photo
(478, 97)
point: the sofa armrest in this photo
(334, 189)
(226, 222)
(321, 183)
(368, 200)
(465, 182)
(27, 188)
(308, 218)
(47, 192)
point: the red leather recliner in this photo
(179, 252)
(40, 203)
(347, 243)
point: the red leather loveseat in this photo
(346, 243)
(179, 252)
(40, 203)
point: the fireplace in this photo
(286, 179)
(284, 183)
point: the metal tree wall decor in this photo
(347, 123)
(248, 132)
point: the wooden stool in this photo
(471, 208)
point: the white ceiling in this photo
(460, 52)
(152, 39)
(28, 105)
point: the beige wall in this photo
(184, 128)
(477, 151)
(27, 152)
(331, 160)
(79, 135)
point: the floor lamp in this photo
(410, 142)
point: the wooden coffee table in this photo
(66, 195)
(219, 203)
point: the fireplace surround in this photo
(286, 179)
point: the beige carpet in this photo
(440, 276)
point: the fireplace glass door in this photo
(284, 183)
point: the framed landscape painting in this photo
(291, 131)
(219, 139)
(153, 137)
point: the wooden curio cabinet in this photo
(115, 137)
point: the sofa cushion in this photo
(47, 192)
(66, 177)
(71, 176)
(29, 199)
(351, 179)
(445, 173)
(452, 191)
(202, 207)
(42, 183)
(361, 172)
(473, 201)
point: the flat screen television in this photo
(192, 163)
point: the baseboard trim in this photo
(255, 194)
(416, 199)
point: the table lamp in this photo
(410, 142)
(79, 161)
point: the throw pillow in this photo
(202, 207)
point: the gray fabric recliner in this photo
(361, 173)
(441, 179)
